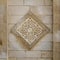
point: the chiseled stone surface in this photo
(15, 2)
(56, 30)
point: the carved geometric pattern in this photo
(31, 29)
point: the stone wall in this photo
(11, 12)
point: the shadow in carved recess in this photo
(0, 42)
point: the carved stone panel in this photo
(31, 29)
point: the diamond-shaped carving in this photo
(31, 29)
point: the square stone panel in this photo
(30, 29)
